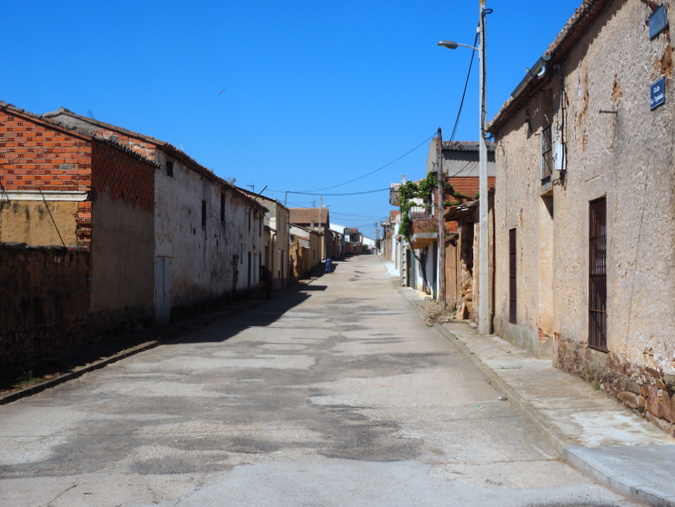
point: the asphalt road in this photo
(337, 394)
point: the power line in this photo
(466, 84)
(334, 195)
(376, 170)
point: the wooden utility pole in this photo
(441, 222)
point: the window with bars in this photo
(512, 277)
(597, 282)
(546, 153)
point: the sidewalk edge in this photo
(582, 460)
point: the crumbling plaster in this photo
(626, 154)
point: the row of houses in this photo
(582, 215)
(103, 228)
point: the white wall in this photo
(210, 260)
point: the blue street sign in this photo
(657, 93)
(658, 21)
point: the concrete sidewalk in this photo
(591, 431)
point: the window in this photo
(222, 206)
(512, 277)
(546, 153)
(169, 168)
(203, 214)
(597, 279)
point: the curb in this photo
(577, 457)
(77, 372)
(580, 458)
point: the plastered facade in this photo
(208, 234)
(595, 95)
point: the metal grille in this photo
(512, 276)
(597, 283)
(546, 153)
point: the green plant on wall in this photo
(409, 192)
(422, 190)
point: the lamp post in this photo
(483, 263)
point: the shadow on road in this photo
(31, 375)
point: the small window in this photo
(546, 153)
(169, 168)
(222, 206)
(203, 214)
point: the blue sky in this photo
(295, 96)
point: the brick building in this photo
(76, 191)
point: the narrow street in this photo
(337, 394)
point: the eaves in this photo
(15, 111)
(557, 52)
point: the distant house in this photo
(208, 233)
(277, 239)
(391, 240)
(317, 219)
(304, 251)
(584, 215)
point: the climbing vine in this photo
(422, 190)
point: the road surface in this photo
(336, 394)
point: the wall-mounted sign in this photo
(657, 93)
(658, 21)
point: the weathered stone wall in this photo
(643, 387)
(44, 301)
(617, 148)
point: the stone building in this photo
(208, 233)
(585, 208)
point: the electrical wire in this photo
(338, 195)
(376, 170)
(466, 85)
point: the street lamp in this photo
(483, 263)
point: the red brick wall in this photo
(123, 176)
(33, 156)
(143, 148)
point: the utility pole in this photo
(323, 241)
(483, 265)
(441, 222)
